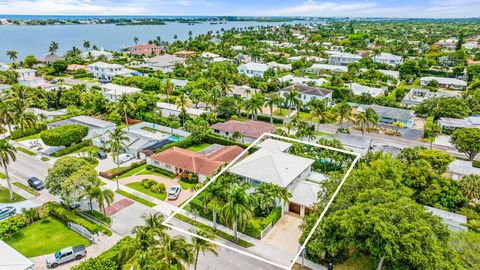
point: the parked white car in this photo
(124, 158)
(66, 255)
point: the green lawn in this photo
(44, 237)
(362, 263)
(2, 176)
(134, 171)
(321, 133)
(27, 188)
(198, 147)
(44, 159)
(31, 137)
(5, 196)
(136, 198)
(88, 148)
(139, 187)
(279, 112)
(28, 152)
(185, 185)
(99, 216)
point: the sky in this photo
(328, 8)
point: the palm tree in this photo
(6, 114)
(168, 88)
(214, 195)
(7, 153)
(142, 260)
(372, 118)
(105, 197)
(361, 120)
(154, 222)
(53, 47)
(291, 98)
(344, 111)
(236, 135)
(125, 103)
(182, 103)
(22, 116)
(270, 102)
(12, 55)
(202, 245)
(470, 186)
(135, 39)
(237, 211)
(92, 194)
(86, 44)
(215, 95)
(117, 141)
(174, 252)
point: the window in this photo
(168, 166)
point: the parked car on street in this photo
(66, 255)
(71, 205)
(174, 192)
(124, 158)
(101, 155)
(7, 211)
(35, 183)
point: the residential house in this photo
(171, 109)
(453, 221)
(3, 67)
(388, 58)
(447, 83)
(389, 115)
(471, 44)
(252, 69)
(178, 84)
(112, 92)
(145, 49)
(243, 91)
(238, 47)
(49, 58)
(308, 93)
(94, 54)
(359, 89)
(178, 160)
(303, 80)
(249, 130)
(165, 63)
(343, 59)
(271, 164)
(73, 67)
(47, 115)
(28, 77)
(105, 71)
(449, 125)
(4, 87)
(355, 143)
(458, 169)
(11, 259)
(185, 54)
(314, 59)
(280, 67)
(450, 43)
(317, 68)
(209, 57)
(96, 127)
(417, 95)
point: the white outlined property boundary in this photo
(317, 223)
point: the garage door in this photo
(295, 208)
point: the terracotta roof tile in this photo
(250, 128)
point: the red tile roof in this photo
(226, 154)
(145, 49)
(249, 128)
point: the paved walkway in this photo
(285, 233)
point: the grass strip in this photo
(139, 187)
(28, 152)
(136, 198)
(5, 196)
(99, 216)
(27, 188)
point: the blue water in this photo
(174, 138)
(35, 40)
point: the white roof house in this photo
(3, 67)
(303, 80)
(279, 66)
(275, 145)
(308, 58)
(113, 92)
(453, 221)
(96, 53)
(178, 84)
(340, 58)
(106, 72)
(450, 83)
(165, 62)
(450, 124)
(308, 93)
(167, 109)
(49, 115)
(359, 89)
(244, 91)
(388, 58)
(28, 77)
(11, 259)
(305, 193)
(96, 127)
(252, 69)
(417, 95)
(320, 67)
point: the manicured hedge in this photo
(109, 260)
(153, 185)
(185, 143)
(18, 133)
(64, 135)
(112, 174)
(72, 148)
(161, 171)
(476, 163)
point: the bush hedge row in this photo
(109, 260)
(18, 133)
(160, 170)
(72, 148)
(153, 186)
(122, 170)
(64, 135)
(476, 163)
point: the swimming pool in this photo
(174, 138)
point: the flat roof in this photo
(11, 259)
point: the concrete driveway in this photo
(285, 233)
(109, 163)
(184, 194)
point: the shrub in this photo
(112, 174)
(147, 183)
(18, 133)
(160, 171)
(189, 178)
(223, 141)
(109, 260)
(153, 186)
(72, 148)
(476, 163)
(12, 225)
(64, 135)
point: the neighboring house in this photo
(28, 77)
(243, 91)
(449, 125)
(389, 115)
(453, 221)
(178, 160)
(238, 47)
(355, 143)
(47, 115)
(4, 87)
(457, 169)
(471, 44)
(314, 59)
(145, 137)
(417, 95)
(185, 54)
(447, 83)
(212, 57)
(388, 58)
(105, 71)
(11, 259)
(249, 130)
(447, 43)
(97, 53)
(303, 80)
(3, 67)
(359, 89)
(178, 84)
(49, 58)
(252, 69)
(343, 59)
(322, 67)
(280, 67)
(73, 67)
(112, 92)
(96, 127)
(168, 109)
(272, 165)
(165, 63)
(307, 93)
(145, 49)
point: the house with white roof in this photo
(417, 95)
(453, 221)
(359, 89)
(171, 109)
(279, 66)
(97, 53)
(4, 87)
(272, 164)
(252, 69)
(449, 125)
(243, 91)
(105, 71)
(343, 59)
(165, 62)
(315, 59)
(178, 84)
(11, 259)
(303, 80)
(389, 115)
(96, 127)
(47, 115)
(308, 93)
(112, 92)
(28, 77)
(388, 58)
(212, 57)
(238, 47)
(447, 83)
(3, 67)
(317, 68)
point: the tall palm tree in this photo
(142, 261)
(174, 252)
(6, 114)
(344, 111)
(86, 44)
(53, 48)
(22, 116)
(12, 54)
(362, 121)
(135, 39)
(202, 245)
(237, 212)
(168, 85)
(270, 102)
(154, 222)
(125, 103)
(215, 95)
(182, 104)
(291, 98)
(7, 153)
(92, 194)
(105, 197)
(117, 141)
(214, 196)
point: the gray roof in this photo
(90, 121)
(354, 141)
(274, 145)
(389, 112)
(454, 222)
(305, 193)
(455, 122)
(307, 90)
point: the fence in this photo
(266, 230)
(82, 231)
